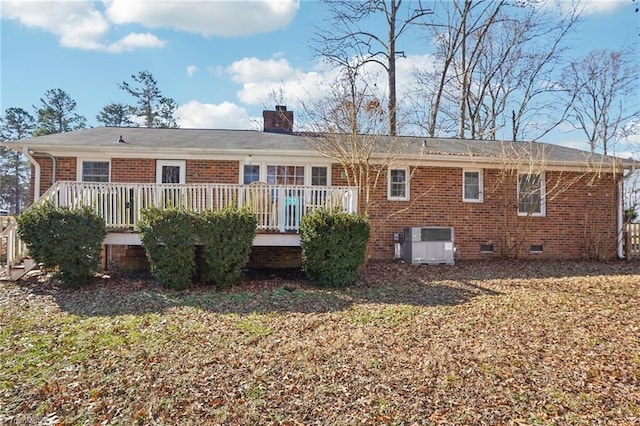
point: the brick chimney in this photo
(278, 121)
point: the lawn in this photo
(496, 343)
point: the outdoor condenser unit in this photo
(431, 245)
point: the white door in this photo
(171, 171)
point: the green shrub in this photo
(68, 238)
(334, 246)
(227, 236)
(168, 236)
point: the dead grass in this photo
(540, 343)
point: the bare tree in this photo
(525, 169)
(350, 33)
(605, 96)
(347, 127)
(494, 63)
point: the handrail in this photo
(50, 195)
(278, 207)
(14, 248)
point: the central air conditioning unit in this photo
(431, 245)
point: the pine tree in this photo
(15, 171)
(57, 114)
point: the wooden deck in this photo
(278, 208)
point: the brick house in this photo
(514, 199)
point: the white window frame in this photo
(305, 170)
(543, 202)
(181, 163)
(407, 189)
(480, 186)
(81, 161)
(242, 175)
(263, 163)
(326, 167)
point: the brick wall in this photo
(128, 258)
(212, 171)
(125, 258)
(65, 170)
(580, 221)
(275, 257)
(138, 170)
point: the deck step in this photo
(16, 272)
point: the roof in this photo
(212, 141)
(159, 138)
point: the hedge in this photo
(70, 239)
(334, 246)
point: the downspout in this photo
(38, 173)
(36, 168)
(621, 221)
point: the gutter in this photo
(621, 221)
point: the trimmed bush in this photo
(227, 236)
(168, 236)
(334, 246)
(68, 238)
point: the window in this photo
(472, 186)
(285, 175)
(398, 184)
(251, 173)
(95, 171)
(531, 199)
(319, 176)
(170, 174)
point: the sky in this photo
(221, 61)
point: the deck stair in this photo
(14, 260)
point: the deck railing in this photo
(12, 249)
(278, 207)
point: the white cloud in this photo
(588, 7)
(249, 70)
(191, 70)
(261, 79)
(197, 115)
(134, 41)
(77, 25)
(81, 25)
(209, 18)
(593, 7)
(275, 80)
(305, 87)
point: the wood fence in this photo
(632, 240)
